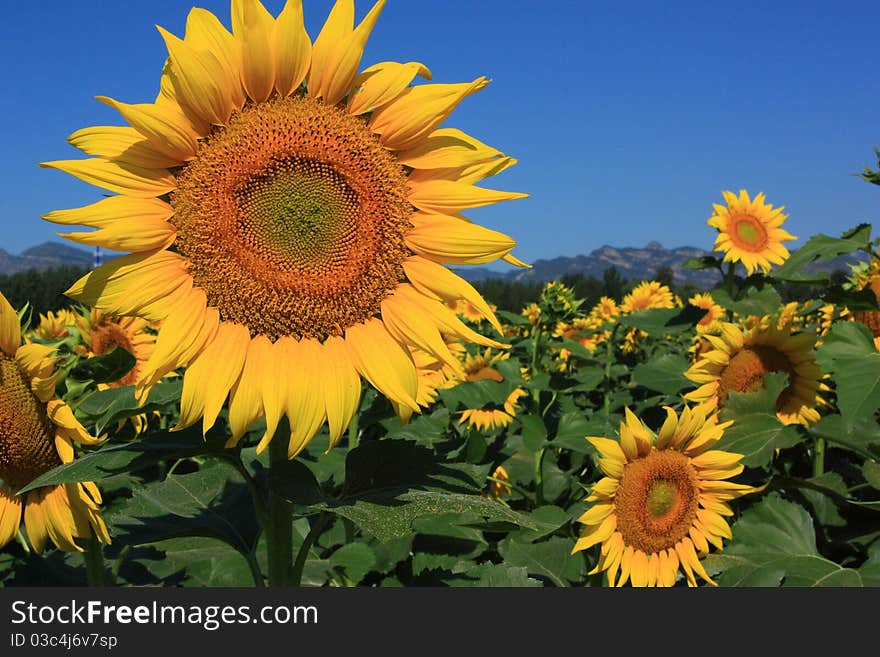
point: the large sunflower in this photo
(663, 499)
(37, 432)
(739, 361)
(749, 231)
(289, 219)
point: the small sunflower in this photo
(739, 361)
(663, 499)
(605, 309)
(289, 219)
(647, 295)
(710, 322)
(749, 231)
(37, 432)
(101, 333)
(869, 279)
(487, 419)
(55, 325)
(498, 487)
(480, 366)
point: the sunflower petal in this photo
(294, 48)
(341, 386)
(254, 30)
(10, 328)
(383, 362)
(381, 83)
(112, 209)
(162, 127)
(125, 179)
(452, 241)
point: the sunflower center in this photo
(107, 336)
(746, 371)
(749, 232)
(26, 434)
(292, 218)
(656, 501)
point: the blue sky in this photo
(628, 119)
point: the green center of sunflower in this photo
(292, 218)
(656, 500)
(749, 232)
(26, 433)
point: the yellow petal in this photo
(254, 30)
(447, 147)
(112, 209)
(294, 48)
(341, 385)
(10, 515)
(594, 534)
(10, 328)
(451, 197)
(431, 278)
(381, 83)
(411, 117)
(246, 399)
(452, 241)
(140, 235)
(117, 177)
(206, 34)
(383, 362)
(164, 129)
(305, 405)
(120, 143)
(62, 417)
(416, 329)
(199, 79)
(338, 51)
(280, 367)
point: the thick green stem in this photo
(308, 542)
(539, 478)
(94, 558)
(609, 361)
(279, 519)
(730, 281)
(819, 457)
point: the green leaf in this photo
(105, 407)
(870, 570)
(663, 373)
(196, 561)
(703, 262)
(547, 518)
(871, 473)
(550, 560)
(113, 460)
(213, 502)
(572, 432)
(760, 302)
(845, 340)
(490, 575)
(356, 559)
(774, 544)
(105, 368)
(664, 321)
(534, 433)
(822, 247)
(861, 436)
(423, 429)
(756, 431)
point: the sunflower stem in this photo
(94, 559)
(819, 457)
(730, 281)
(308, 541)
(279, 518)
(609, 361)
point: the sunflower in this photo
(605, 309)
(647, 295)
(749, 231)
(869, 279)
(101, 333)
(487, 419)
(468, 311)
(739, 361)
(37, 432)
(663, 499)
(54, 325)
(498, 485)
(289, 219)
(710, 321)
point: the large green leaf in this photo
(212, 502)
(664, 321)
(116, 459)
(549, 560)
(757, 432)
(822, 247)
(755, 301)
(845, 341)
(355, 559)
(105, 407)
(105, 368)
(663, 373)
(198, 561)
(490, 575)
(870, 570)
(389, 484)
(774, 544)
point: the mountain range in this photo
(632, 263)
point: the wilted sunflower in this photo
(37, 432)
(487, 419)
(663, 499)
(290, 219)
(739, 362)
(749, 231)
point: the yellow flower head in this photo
(37, 433)
(663, 499)
(54, 325)
(749, 231)
(710, 322)
(647, 295)
(289, 215)
(487, 419)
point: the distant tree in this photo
(613, 284)
(665, 275)
(43, 289)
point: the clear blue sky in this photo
(628, 118)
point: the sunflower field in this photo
(284, 382)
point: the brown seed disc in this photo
(292, 218)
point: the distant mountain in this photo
(48, 255)
(632, 263)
